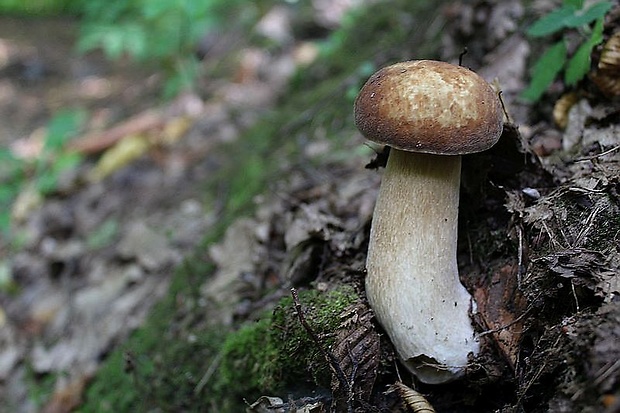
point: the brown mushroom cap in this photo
(430, 107)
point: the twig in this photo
(100, 141)
(587, 226)
(209, 373)
(590, 158)
(329, 356)
(505, 326)
(572, 286)
(520, 257)
(463, 53)
(501, 100)
(537, 374)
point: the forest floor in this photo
(93, 257)
(220, 234)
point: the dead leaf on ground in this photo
(358, 355)
(501, 308)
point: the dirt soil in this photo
(539, 245)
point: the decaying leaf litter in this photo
(539, 251)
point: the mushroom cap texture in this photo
(429, 107)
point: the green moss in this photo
(167, 378)
(250, 357)
(172, 372)
(299, 353)
(101, 397)
(276, 354)
(161, 364)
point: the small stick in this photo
(329, 356)
(519, 257)
(463, 53)
(607, 152)
(100, 141)
(501, 100)
(215, 363)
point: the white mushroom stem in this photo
(413, 282)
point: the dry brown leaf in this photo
(501, 307)
(120, 155)
(357, 352)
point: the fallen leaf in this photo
(118, 156)
(501, 307)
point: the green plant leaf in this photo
(552, 22)
(111, 40)
(569, 15)
(579, 65)
(63, 126)
(184, 77)
(9, 166)
(594, 12)
(46, 183)
(7, 194)
(157, 8)
(545, 70)
(135, 41)
(5, 222)
(66, 161)
(577, 4)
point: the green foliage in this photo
(570, 15)
(53, 161)
(545, 71)
(579, 65)
(11, 180)
(45, 170)
(37, 7)
(165, 32)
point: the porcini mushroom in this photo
(430, 113)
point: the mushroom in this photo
(429, 113)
